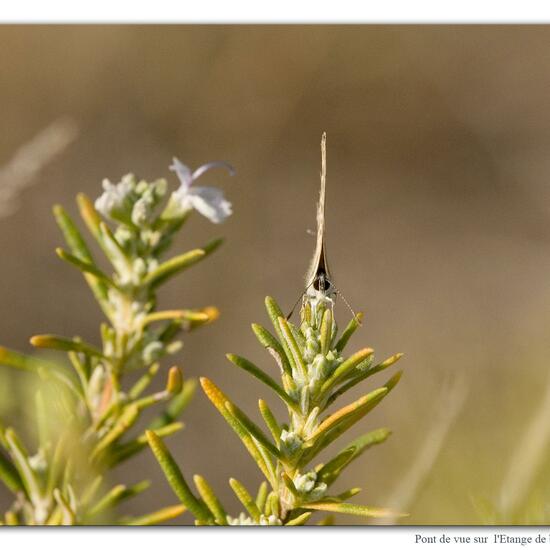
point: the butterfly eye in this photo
(321, 282)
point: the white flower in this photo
(208, 201)
(115, 202)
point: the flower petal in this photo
(214, 164)
(182, 171)
(210, 202)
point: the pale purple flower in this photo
(208, 201)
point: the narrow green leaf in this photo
(116, 495)
(252, 428)
(21, 461)
(261, 497)
(72, 235)
(143, 382)
(270, 421)
(273, 506)
(363, 376)
(113, 250)
(79, 249)
(274, 312)
(350, 493)
(55, 471)
(81, 368)
(176, 405)
(332, 469)
(175, 478)
(90, 492)
(52, 341)
(348, 411)
(210, 499)
(160, 516)
(248, 366)
(196, 315)
(353, 325)
(269, 342)
(212, 246)
(89, 214)
(246, 499)
(302, 519)
(295, 353)
(289, 484)
(174, 384)
(355, 509)
(9, 475)
(218, 399)
(17, 360)
(126, 420)
(85, 267)
(326, 331)
(68, 515)
(127, 450)
(347, 366)
(173, 266)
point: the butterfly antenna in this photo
(298, 300)
(348, 306)
(294, 306)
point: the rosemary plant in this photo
(314, 374)
(85, 415)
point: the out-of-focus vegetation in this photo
(439, 171)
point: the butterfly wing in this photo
(319, 264)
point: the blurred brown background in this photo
(438, 218)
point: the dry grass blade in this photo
(30, 158)
(450, 406)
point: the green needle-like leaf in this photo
(160, 516)
(52, 341)
(171, 267)
(127, 419)
(89, 214)
(332, 469)
(248, 366)
(210, 499)
(355, 509)
(246, 499)
(252, 428)
(85, 267)
(175, 478)
(28, 476)
(144, 381)
(302, 519)
(72, 235)
(345, 413)
(9, 475)
(270, 420)
(17, 360)
(326, 331)
(67, 513)
(347, 366)
(261, 497)
(268, 341)
(116, 495)
(347, 333)
(295, 353)
(127, 450)
(176, 405)
(363, 376)
(218, 399)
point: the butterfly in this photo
(318, 278)
(319, 283)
